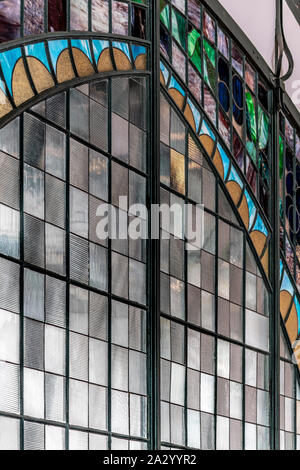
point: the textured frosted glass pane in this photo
(120, 324)
(236, 247)
(34, 393)
(119, 444)
(120, 137)
(165, 421)
(223, 278)
(193, 349)
(177, 425)
(98, 175)
(251, 367)
(207, 311)
(137, 329)
(98, 442)
(34, 436)
(137, 372)
(165, 338)
(78, 309)
(119, 265)
(55, 152)
(263, 438)
(289, 409)
(194, 267)
(9, 433)
(222, 433)
(137, 445)
(177, 384)
(137, 281)
(55, 249)
(55, 397)
(119, 412)
(97, 407)
(9, 387)
(138, 416)
(9, 336)
(98, 362)
(54, 350)
(250, 436)
(207, 393)
(33, 295)
(250, 291)
(98, 311)
(177, 298)
(78, 440)
(193, 419)
(79, 115)
(207, 431)
(263, 408)
(79, 212)
(223, 359)
(55, 438)
(9, 231)
(236, 400)
(78, 356)
(257, 330)
(9, 138)
(78, 404)
(33, 191)
(98, 267)
(119, 373)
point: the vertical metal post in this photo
(155, 244)
(275, 279)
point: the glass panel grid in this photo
(75, 371)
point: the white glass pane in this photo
(55, 438)
(54, 350)
(9, 231)
(9, 433)
(223, 359)
(79, 212)
(119, 412)
(78, 407)
(98, 362)
(9, 336)
(193, 418)
(257, 330)
(222, 433)
(78, 310)
(33, 295)
(177, 384)
(33, 191)
(33, 393)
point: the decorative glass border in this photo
(224, 82)
(28, 70)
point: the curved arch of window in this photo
(30, 70)
(240, 193)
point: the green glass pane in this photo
(178, 27)
(165, 15)
(251, 118)
(263, 126)
(210, 51)
(194, 49)
(281, 150)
